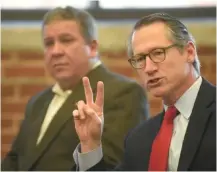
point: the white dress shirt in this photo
(184, 105)
(57, 101)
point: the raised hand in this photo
(88, 117)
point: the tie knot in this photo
(170, 113)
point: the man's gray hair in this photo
(179, 33)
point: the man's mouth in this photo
(59, 65)
(154, 82)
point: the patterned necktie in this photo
(160, 147)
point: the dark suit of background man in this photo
(183, 136)
(47, 136)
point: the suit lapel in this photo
(38, 113)
(196, 126)
(64, 114)
(36, 125)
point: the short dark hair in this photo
(85, 20)
(179, 33)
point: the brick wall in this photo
(23, 75)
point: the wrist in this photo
(89, 146)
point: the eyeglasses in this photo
(157, 56)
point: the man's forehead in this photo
(67, 27)
(61, 23)
(153, 28)
(149, 37)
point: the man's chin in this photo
(157, 92)
(63, 78)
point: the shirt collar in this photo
(186, 102)
(59, 91)
(96, 64)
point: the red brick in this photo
(4, 152)
(29, 90)
(6, 123)
(206, 50)
(213, 79)
(7, 90)
(155, 101)
(13, 107)
(17, 117)
(5, 146)
(7, 139)
(204, 70)
(30, 55)
(127, 71)
(122, 54)
(213, 67)
(6, 55)
(6, 116)
(5, 149)
(155, 106)
(155, 111)
(18, 71)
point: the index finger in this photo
(100, 95)
(87, 90)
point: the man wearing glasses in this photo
(183, 136)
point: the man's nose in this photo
(150, 66)
(57, 49)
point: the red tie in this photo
(160, 147)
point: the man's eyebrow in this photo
(152, 49)
(66, 35)
(61, 35)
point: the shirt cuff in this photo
(84, 161)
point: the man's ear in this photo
(93, 48)
(191, 52)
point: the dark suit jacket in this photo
(199, 146)
(123, 99)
